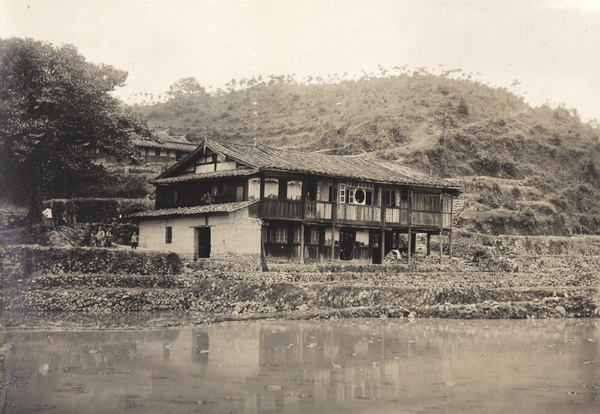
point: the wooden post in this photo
(383, 220)
(428, 244)
(450, 244)
(382, 244)
(409, 218)
(263, 238)
(441, 229)
(409, 244)
(261, 195)
(303, 203)
(334, 211)
(332, 242)
(441, 248)
(302, 243)
(263, 259)
(451, 219)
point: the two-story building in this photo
(161, 148)
(228, 198)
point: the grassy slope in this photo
(524, 170)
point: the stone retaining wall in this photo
(22, 261)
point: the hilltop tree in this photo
(56, 110)
(186, 88)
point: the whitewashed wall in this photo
(230, 233)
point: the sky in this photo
(552, 47)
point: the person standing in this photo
(100, 237)
(134, 241)
(108, 238)
(48, 222)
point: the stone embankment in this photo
(522, 283)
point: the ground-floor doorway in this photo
(347, 243)
(203, 250)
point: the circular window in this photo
(359, 196)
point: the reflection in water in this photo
(357, 366)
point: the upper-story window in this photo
(390, 198)
(294, 190)
(271, 188)
(358, 193)
(220, 188)
(253, 188)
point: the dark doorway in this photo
(347, 243)
(203, 242)
(376, 246)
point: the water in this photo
(343, 366)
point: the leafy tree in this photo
(186, 88)
(56, 109)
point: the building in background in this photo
(161, 148)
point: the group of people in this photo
(67, 217)
(102, 238)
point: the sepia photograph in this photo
(300, 206)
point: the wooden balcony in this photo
(274, 208)
(318, 210)
(396, 215)
(286, 209)
(351, 212)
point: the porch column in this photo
(332, 243)
(441, 229)
(383, 222)
(410, 197)
(409, 244)
(382, 244)
(263, 238)
(450, 245)
(441, 247)
(301, 243)
(428, 244)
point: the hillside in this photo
(524, 170)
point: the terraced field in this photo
(510, 278)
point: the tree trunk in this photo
(35, 199)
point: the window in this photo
(281, 234)
(342, 193)
(404, 195)
(271, 188)
(168, 235)
(332, 194)
(314, 235)
(294, 190)
(219, 188)
(254, 189)
(390, 198)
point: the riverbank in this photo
(514, 278)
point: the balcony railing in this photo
(273, 207)
(351, 212)
(317, 210)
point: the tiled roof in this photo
(186, 211)
(349, 167)
(162, 140)
(204, 176)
